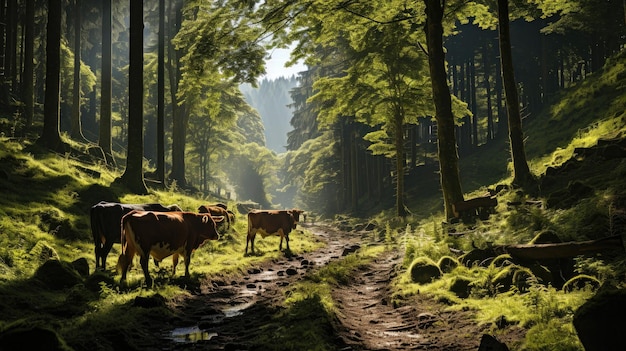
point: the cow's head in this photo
(212, 227)
(296, 214)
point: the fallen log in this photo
(564, 250)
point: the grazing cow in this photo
(271, 222)
(162, 234)
(219, 210)
(105, 224)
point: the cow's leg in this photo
(187, 261)
(126, 258)
(250, 239)
(175, 263)
(97, 252)
(281, 233)
(287, 242)
(104, 252)
(144, 266)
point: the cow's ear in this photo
(205, 219)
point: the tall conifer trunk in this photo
(51, 135)
(521, 172)
(446, 139)
(133, 175)
(104, 140)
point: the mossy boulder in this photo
(600, 322)
(447, 264)
(461, 287)
(57, 275)
(424, 270)
(31, 337)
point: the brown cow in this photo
(105, 224)
(219, 210)
(271, 222)
(161, 234)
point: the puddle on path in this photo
(191, 334)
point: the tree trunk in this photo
(401, 210)
(50, 136)
(133, 175)
(486, 69)
(522, 175)
(28, 85)
(104, 139)
(178, 111)
(446, 139)
(160, 164)
(354, 178)
(76, 131)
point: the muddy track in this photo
(230, 313)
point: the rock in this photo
(291, 271)
(447, 264)
(31, 338)
(490, 343)
(461, 287)
(600, 322)
(57, 275)
(81, 266)
(423, 270)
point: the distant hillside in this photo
(271, 99)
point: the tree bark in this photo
(133, 175)
(521, 172)
(51, 136)
(105, 140)
(446, 139)
(179, 134)
(160, 164)
(28, 84)
(76, 131)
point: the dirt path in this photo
(230, 313)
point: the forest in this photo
(460, 167)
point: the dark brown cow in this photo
(271, 222)
(162, 234)
(105, 224)
(219, 210)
